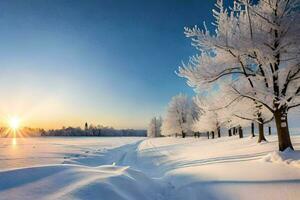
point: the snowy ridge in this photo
(288, 157)
(82, 177)
(77, 182)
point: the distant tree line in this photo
(96, 131)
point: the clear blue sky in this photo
(107, 62)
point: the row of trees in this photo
(94, 131)
(248, 69)
(203, 115)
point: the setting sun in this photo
(14, 123)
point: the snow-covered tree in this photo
(240, 108)
(181, 113)
(248, 110)
(154, 128)
(208, 119)
(222, 107)
(257, 42)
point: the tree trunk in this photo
(219, 132)
(241, 135)
(229, 132)
(270, 130)
(183, 134)
(283, 133)
(212, 135)
(252, 129)
(261, 133)
(207, 135)
(234, 130)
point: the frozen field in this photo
(26, 152)
(139, 168)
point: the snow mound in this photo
(77, 182)
(288, 157)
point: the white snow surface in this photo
(156, 168)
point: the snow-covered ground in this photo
(26, 152)
(140, 168)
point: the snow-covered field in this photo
(140, 168)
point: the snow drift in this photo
(77, 182)
(287, 157)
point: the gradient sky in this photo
(106, 62)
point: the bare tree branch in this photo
(254, 99)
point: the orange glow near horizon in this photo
(12, 127)
(14, 123)
(48, 116)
